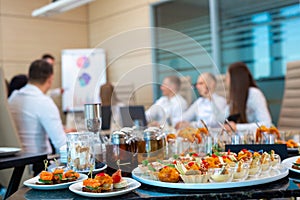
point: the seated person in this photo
(109, 98)
(170, 106)
(35, 114)
(17, 82)
(209, 107)
(245, 99)
(57, 91)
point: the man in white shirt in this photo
(170, 106)
(209, 107)
(35, 114)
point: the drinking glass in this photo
(80, 151)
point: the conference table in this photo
(18, 161)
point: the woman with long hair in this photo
(246, 100)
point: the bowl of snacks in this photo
(223, 174)
(255, 167)
(241, 171)
(275, 159)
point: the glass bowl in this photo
(241, 171)
(254, 168)
(195, 178)
(265, 163)
(275, 160)
(220, 174)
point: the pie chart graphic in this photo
(83, 62)
(84, 79)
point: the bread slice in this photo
(85, 189)
(122, 184)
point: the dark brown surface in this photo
(18, 162)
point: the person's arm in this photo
(51, 121)
(219, 109)
(188, 116)
(177, 110)
(154, 111)
(55, 92)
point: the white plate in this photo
(32, 183)
(52, 168)
(274, 175)
(132, 184)
(288, 162)
(95, 170)
(7, 151)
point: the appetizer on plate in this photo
(57, 177)
(118, 181)
(104, 183)
(296, 165)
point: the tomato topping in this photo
(100, 174)
(117, 176)
(228, 152)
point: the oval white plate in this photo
(83, 171)
(275, 175)
(132, 184)
(288, 162)
(7, 151)
(32, 183)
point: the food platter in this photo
(289, 162)
(32, 183)
(8, 151)
(132, 184)
(274, 175)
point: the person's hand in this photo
(232, 124)
(182, 124)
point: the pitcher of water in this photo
(93, 122)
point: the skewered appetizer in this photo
(46, 178)
(106, 182)
(296, 165)
(91, 185)
(118, 181)
(56, 177)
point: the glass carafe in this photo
(93, 122)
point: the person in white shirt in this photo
(246, 99)
(35, 114)
(209, 107)
(170, 106)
